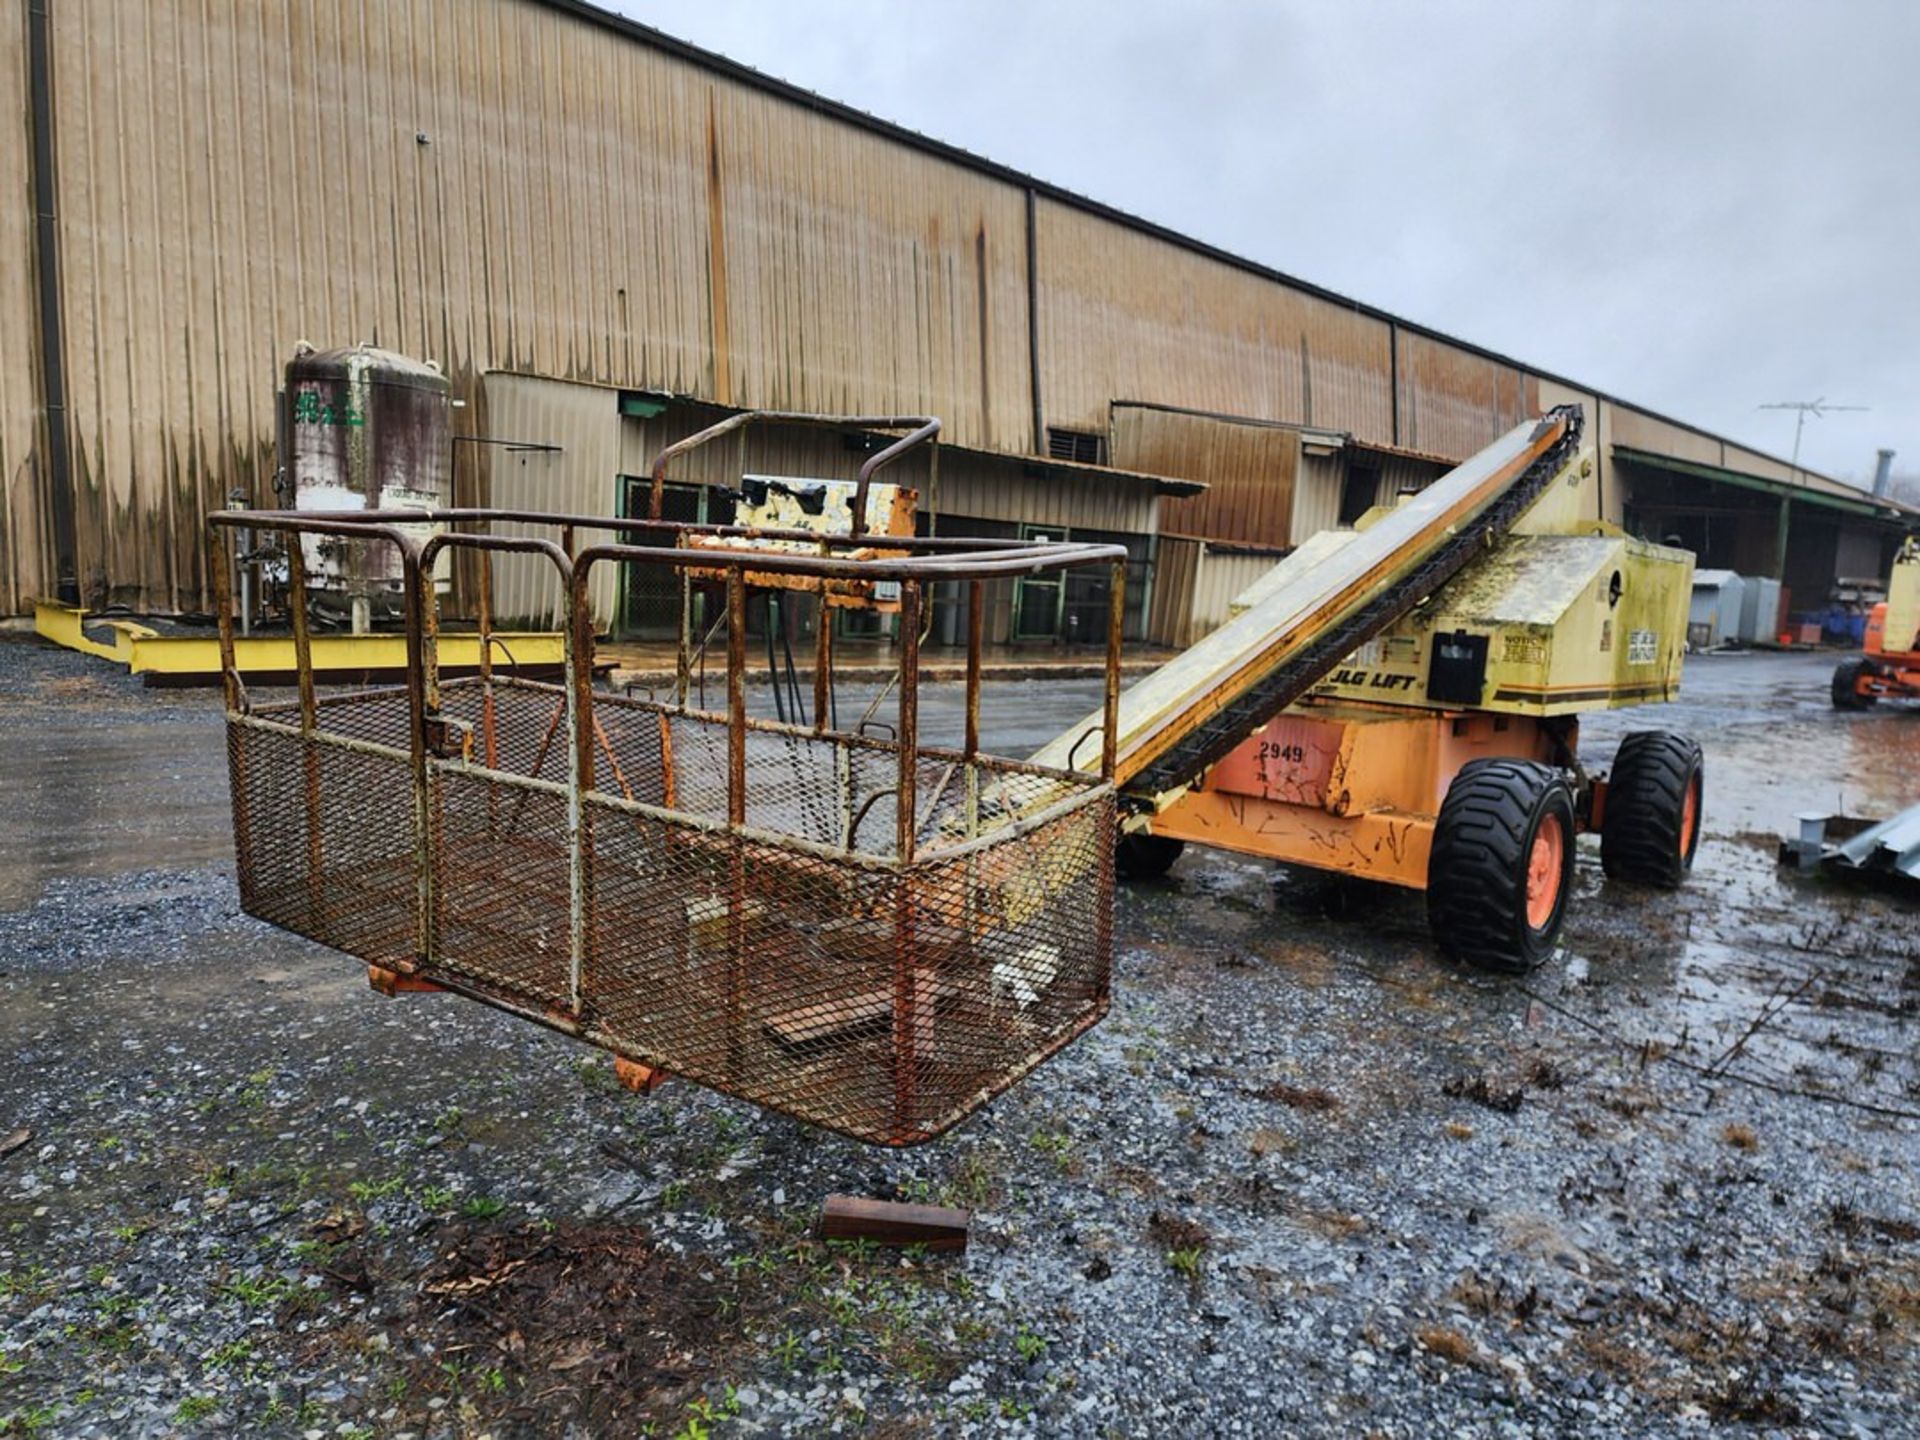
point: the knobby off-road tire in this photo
(1846, 684)
(1651, 828)
(1501, 868)
(1146, 857)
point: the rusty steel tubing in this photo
(924, 428)
(483, 605)
(976, 613)
(736, 696)
(218, 565)
(822, 664)
(552, 519)
(736, 808)
(859, 817)
(233, 699)
(683, 653)
(679, 447)
(1110, 710)
(909, 719)
(425, 931)
(516, 544)
(577, 652)
(906, 1021)
(378, 524)
(309, 753)
(1029, 559)
(579, 713)
(302, 640)
(875, 463)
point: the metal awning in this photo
(1047, 467)
(1401, 452)
(1859, 503)
(648, 403)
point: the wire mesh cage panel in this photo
(796, 961)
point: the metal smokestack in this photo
(1881, 471)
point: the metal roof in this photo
(1815, 489)
(1074, 469)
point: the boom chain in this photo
(1212, 741)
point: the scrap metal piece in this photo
(1889, 850)
(890, 1222)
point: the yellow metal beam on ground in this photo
(186, 658)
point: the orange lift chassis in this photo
(1890, 667)
(1399, 702)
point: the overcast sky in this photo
(1698, 205)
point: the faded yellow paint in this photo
(890, 511)
(1572, 622)
(1900, 631)
(144, 651)
(1577, 615)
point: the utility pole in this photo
(1815, 408)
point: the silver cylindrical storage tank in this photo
(367, 430)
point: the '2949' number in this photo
(1288, 754)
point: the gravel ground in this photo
(1306, 1179)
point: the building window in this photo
(1082, 447)
(642, 404)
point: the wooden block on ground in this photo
(887, 1222)
(392, 982)
(642, 1079)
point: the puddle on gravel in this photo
(104, 774)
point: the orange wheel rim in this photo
(1689, 817)
(1544, 864)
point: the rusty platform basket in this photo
(868, 934)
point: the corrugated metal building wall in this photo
(486, 183)
(531, 186)
(26, 547)
(1248, 467)
(1452, 402)
(1129, 315)
(1195, 583)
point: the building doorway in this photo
(1360, 493)
(649, 604)
(1040, 601)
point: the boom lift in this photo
(1890, 668)
(1399, 702)
(722, 896)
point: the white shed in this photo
(1759, 609)
(1715, 616)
